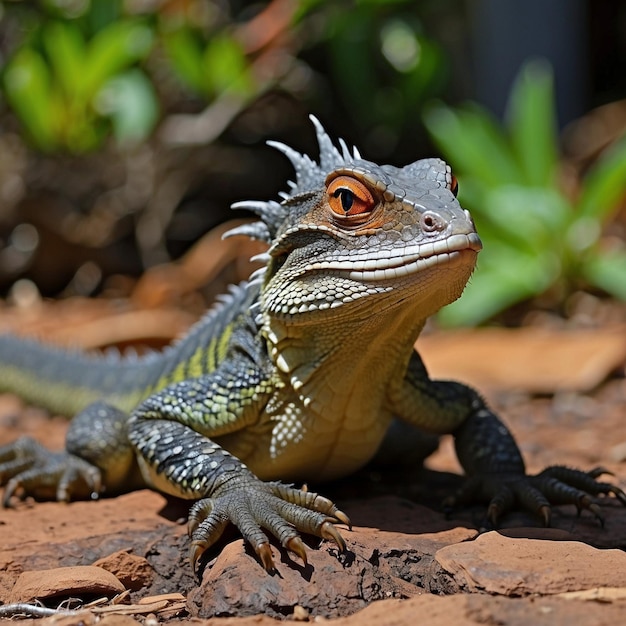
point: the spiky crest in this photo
(309, 176)
(330, 158)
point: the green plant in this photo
(208, 66)
(67, 89)
(536, 238)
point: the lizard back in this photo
(65, 381)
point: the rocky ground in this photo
(562, 393)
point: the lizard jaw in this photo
(384, 265)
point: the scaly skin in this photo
(298, 374)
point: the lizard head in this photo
(352, 237)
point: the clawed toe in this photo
(264, 552)
(296, 545)
(328, 531)
(597, 512)
(555, 485)
(254, 508)
(310, 501)
(27, 468)
(205, 526)
(342, 518)
(18, 457)
(564, 485)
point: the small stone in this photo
(133, 571)
(300, 614)
(65, 581)
(513, 567)
(376, 565)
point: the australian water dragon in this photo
(296, 375)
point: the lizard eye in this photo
(348, 196)
(454, 185)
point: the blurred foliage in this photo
(127, 125)
(81, 71)
(68, 77)
(211, 67)
(537, 239)
(102, 79)
(382, 63)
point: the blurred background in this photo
(127, 127)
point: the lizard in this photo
(296, 374)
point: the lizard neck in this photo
(353, 360)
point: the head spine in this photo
(310, 176)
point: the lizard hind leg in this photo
(29, 469)
(99, 435)
(97, 457)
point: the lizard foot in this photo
(555, 485)
(282, 510)
(27, 468)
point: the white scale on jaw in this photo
(385, 264)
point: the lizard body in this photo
(297, 374)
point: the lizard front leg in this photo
(172, 433)
(488, 453)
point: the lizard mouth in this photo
(390, 264)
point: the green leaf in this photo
(605, 185)
(474, 144)
(226, 66)
(353, 65)
(185, 55)
(486, 295)
(65, 47)
(531, 122)
(101, 13)
(472, 192)
(503, 277)
(427, 78)
(607, 270)
(533, 217)
(130, 101)
(28, 91)
(112, 50)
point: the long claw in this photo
(343, 518)
(328, 531)
(618, 493)
(545, 512)
(597, 512)
(198, 513)
(296, 546)
(493, 514)
(599, 471)
(196, 550)
(502, 501)
(264, 552)
(9, 490)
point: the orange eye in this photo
(348, 196)
(454, 185)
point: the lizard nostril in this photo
(431, 222)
